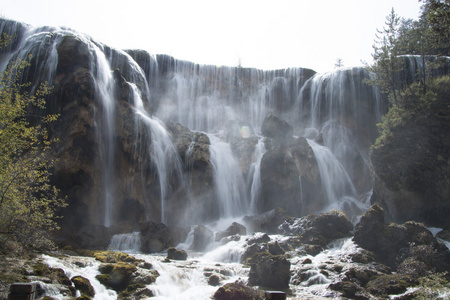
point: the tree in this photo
(28, 202)
(437, 14)
(387, 63)
(339, 63)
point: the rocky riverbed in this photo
(316, 257)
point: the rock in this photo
(258, 238)
(267, 222)
(391, 284)
(271, 271)
(234, 229)
(83, 285)
(237, 290)
(275, 249)
(157, 237)
(252, 250)
(116, 276)
(393, 244)
(202, 238)
(276, 128)
(135, 291)
(410, 169)
(214, 280)
(275, 295)
(93, 237)
(319, 229)
(175, 254)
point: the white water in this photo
(229, 181)
(163, 153)
(255, 175)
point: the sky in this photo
(259, 34)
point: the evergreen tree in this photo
(387, 63)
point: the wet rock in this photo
(116, 276)
(93, 237)
(237, 290)
(135, 291)
(202, 237)
(275, 249)
(258, 238)
(83, 285)
(252, 250)
(319, 229)
(267, 222)
(176, 254)
(393, 243)
(157, 237)
(272, 271)
(391, 284)
(276, 128)
(214, 280)
(234, 229)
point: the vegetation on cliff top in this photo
(429, 39)
(28, 202)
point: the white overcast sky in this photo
(261, 34)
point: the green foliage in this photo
(418, 107)
(387, 63)
(28, 201)
(437, 15)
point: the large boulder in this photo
(155, 237)
(93, 237)
(319, 229)
(409, 248)
(203, 236)
(276, 128)
(270, 271)
(234, 229)
(237, 290)
(267, 222)
(83, 285)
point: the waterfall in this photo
(162, 152)
(126, 242)
(229, 181)
(337, 111)
(255, 175)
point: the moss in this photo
(130, 290)
(115, 257)
(237, 290)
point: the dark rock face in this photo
(276, 128)
(398, 246)
(234, 229)
(411, 171)
(267, 222)
(237, 290)
(92, 237)
(289, 172)
(176, 254)
(202, 237)
(319, 229)
(83, 285)
(157, 237)
(272, 271)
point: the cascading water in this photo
(255, 175)
(229, 180)
(335, 111)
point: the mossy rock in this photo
(116, 276)
(237, 290)
(392, 284)
(83, 285)
(135, 291)
(115, 257)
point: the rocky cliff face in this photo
(136, 132)
(411, 170)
